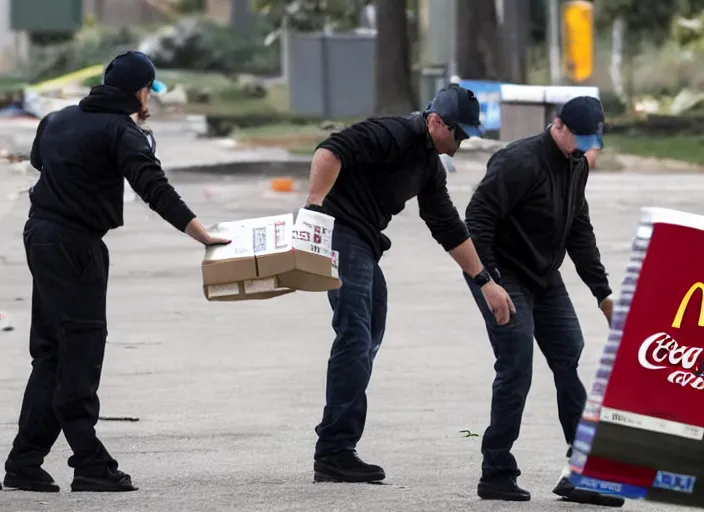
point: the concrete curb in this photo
(296, 168)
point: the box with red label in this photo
(271, 256)
(642, 431)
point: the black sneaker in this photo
(346, 467)
(568, 492)
(503, 488)
(32, 478)
(110, 481)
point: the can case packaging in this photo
(642, 431)
(271, 256)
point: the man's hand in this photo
(607, 307)
(314, 208)
(499, 302)
(216, 240)
(197, 232)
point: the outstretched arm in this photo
(137, 162)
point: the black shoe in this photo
(32, 478)
(568, 492)
(504, 489)
(346, 467)
(110, 481)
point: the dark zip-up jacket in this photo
(530, 210)
(85, 152)
(385, 162)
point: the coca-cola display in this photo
(642, 430)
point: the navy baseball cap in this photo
(584, 117)
(132, 71)
(458, 107)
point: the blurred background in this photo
(283, 73)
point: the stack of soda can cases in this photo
(625, 463)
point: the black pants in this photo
(67, 344)
(549, 316)
(359, 321)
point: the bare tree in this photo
(394, 93)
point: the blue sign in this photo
(674, 482)
(489, 96)
(633, 492)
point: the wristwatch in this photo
(482, 278)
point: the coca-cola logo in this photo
(661, 351)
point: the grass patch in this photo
(234, 102)
(299, 139)
(685, 148)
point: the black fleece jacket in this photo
(385, 162)
(530, 210)
(85, 152)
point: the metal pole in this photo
(452, 37)
(553, 19)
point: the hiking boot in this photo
(111, 480)
(346, 467)
(31, 478)
(568, 492)
(501, 488)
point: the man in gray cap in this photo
(363, 176)
(529, 212)
(83, 154)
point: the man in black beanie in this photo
(84, 153)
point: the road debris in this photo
(5, 325)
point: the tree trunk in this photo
(470, 61)
(479, 43)
(394, 94)
(514, 33)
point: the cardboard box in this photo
(642, 431)
(270, 257)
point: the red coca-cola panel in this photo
(658, 372)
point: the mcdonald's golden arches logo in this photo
(677, 322)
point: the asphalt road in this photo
(228, 394)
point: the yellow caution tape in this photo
(70, 78)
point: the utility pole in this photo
(553, 19)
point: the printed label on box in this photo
(312, 232)
(271, 235)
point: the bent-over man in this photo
(363, 176)
(526, 214)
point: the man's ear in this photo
(433, 118)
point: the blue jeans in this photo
(549, 317)
(359, 321)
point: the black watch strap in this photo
(482, 278)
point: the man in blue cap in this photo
(527, 213)
(83, 154)
(363, 176)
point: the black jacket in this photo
(386, 162)
(85, 152)
(529, 210)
